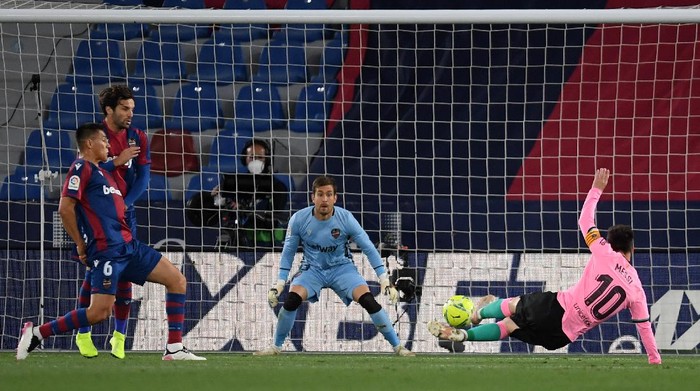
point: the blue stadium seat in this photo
(118, 31)
(59, 152)
(71, 106)
(158, 190)
(220, 61)
(191, 4)
(159, 62)
(196, 108)
(97, 61)
(148, 111)
(331, 59)
(206, 180)
(179, 32)
(21, 185)
(244, 32)
(225, 154)
(306, 5)
(299, 34)
(258, 108)
(281, 64)
(312, 108)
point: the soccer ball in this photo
(458, 311)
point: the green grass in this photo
(447, 372)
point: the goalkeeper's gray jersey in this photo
(326, 243)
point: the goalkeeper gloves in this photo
(388, 290)
(274, 293)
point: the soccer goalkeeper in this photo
(325, 230)
(554, 319)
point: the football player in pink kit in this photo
(608, 285)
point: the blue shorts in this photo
(343, 279)
(132, 261)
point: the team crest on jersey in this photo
(107, 283)
(132, 142)
(335, 233)
(74, 182)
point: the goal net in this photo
(470, 138)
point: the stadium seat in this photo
(244, 32)
(299, 34)
(225, 154)
(97, 61)
(257, 108)
(59, 152)
(159, 62)
(191, 4)
(312, 108)
(196, 108)
(148, 111)
(71, 106)
(118, 31)
(173, 153)
(281, 64)
(306, 5)
(332, 59)
(179, 32)
(21, 185)
(220, 61)
(203, 181)
(158, 190)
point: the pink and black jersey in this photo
(100, 209)
(609, 284)
(125, 175)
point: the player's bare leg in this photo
(483, 302)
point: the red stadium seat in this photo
(173, 153)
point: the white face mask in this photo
(256, 166)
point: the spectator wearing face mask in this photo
(253, 204)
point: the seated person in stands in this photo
(253, 204)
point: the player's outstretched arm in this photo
(586, 221)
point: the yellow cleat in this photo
(85, 345)
(117, 342)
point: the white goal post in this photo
(470, 136)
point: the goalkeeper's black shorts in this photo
(539, 317)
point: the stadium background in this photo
(516, 193)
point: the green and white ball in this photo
(458, 310)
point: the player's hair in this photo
(112, 95)
(621, 238)
(324, 181)
(86, 131)
(268, 153)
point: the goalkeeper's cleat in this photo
(27, 341)
(181, 355)
(483, 302)
(403, 351)
(445, 331)
(85, 345)
(269, 351)
(117, 342)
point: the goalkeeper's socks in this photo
(383, 324)
(84, 297)
(175, 312)
(70, 321)
(285, 322)
(487, 332)
(497, 309)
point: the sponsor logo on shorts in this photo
(107, 283)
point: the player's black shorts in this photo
(539, 317)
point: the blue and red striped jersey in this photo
(100, 209)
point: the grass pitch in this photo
(305, 371)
